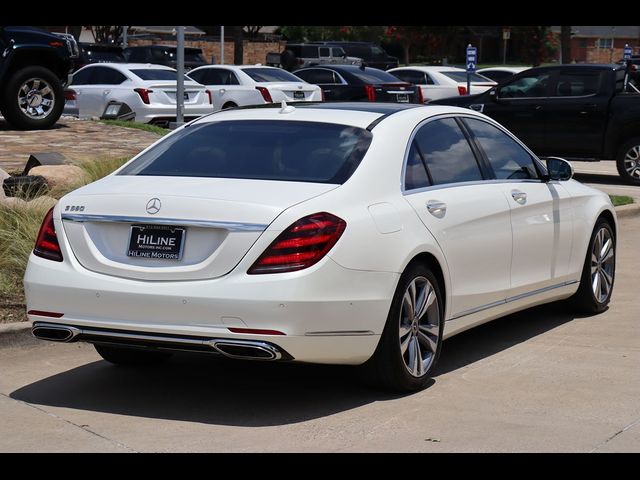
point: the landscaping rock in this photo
(45, 202)
(59, 175)
(3, 175)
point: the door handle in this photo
(538, 107)
(519, 196)
(588, 107)
(106, 92)
(436, 208)
(222, 90)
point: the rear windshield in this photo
(373, 75)
(462, 77)
(152, 74)
(270, 75)
(258, 149)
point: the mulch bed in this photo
(12, 308)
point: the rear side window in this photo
(258, 149)
(270, 75)
(447, 152)
(508, 159)
(215, 76)
(415, 175)
(576, 84)
(317, 76)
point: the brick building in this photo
(600, 44)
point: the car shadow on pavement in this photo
(212, 390)
(602, 179)
(5, 127)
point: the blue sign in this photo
(627, 52)
(472, 58)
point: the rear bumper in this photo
(155, 113)
(327, 314)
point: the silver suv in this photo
(300, 55)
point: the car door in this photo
(576, 114)
(225, 87)
(334, 88)
(468, 216)
(519, 105)
(541, 213)
(89, 91)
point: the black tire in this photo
(229, 105)
(628, 161)
(585, 300)
(387, 367)
(22, 120)
(130, 356)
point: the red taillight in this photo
(321, 95)
(56, 44)
(69, 94)
(371, 92)
(144, 94)
(420, 96)
(462, 90)
(210, 97)
(265, 94)
(47, 245)
(301, 245)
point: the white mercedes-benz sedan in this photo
(238, 86)
(347, 233)
(148, 90)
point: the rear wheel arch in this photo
(431, 262)
(229, 105)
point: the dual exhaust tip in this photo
(239, 349)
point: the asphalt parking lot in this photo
(543, 380)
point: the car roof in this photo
(432, 68)
(344, 68)
(357, 114)
(502, 69)
(162, 47)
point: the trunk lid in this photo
(220, 219)
(165, 93)
(290, 91)
(397, 92)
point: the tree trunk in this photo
(565, 44)
(238, 47)
(406, 47)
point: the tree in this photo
(565, 44)
(537, 44)
(238, 45)
(252, 31)
(106, 34)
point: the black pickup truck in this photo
(580, 112)
(34, 67)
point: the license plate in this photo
(160, 242)
(298, 95)
(402, 97)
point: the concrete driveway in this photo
(543, 380)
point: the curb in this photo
(10, 330)
(15, 334)
(628, 210)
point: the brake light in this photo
(47, 245)
(420, 96)
(265, 94)
(69, 94)
(462, 90)
(301, 245)
(56, 43)
(210, 98)
(144, 94)
(371, 92)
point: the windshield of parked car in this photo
(462, 77)
(258, 149)
(270, 75)
(159, 74)
(373, 75)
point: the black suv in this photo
(372, 55)
(34, 68)
(164, 55)
(98, 53)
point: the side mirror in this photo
(559, 169)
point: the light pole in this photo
(180, 68)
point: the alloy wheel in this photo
(602, 265)
(632, 162)
(419, 326)
(36, 98)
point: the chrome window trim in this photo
(483, 118)
(512, 299)
(230, 226)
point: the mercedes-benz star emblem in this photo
(153, 206)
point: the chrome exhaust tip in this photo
(247, 350)
(54, 333)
